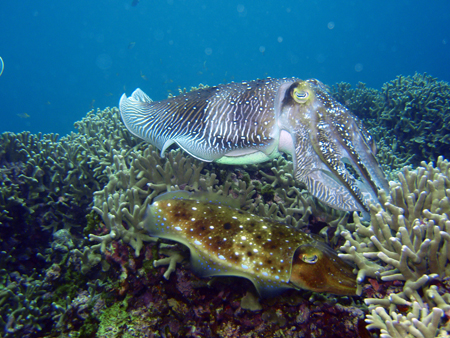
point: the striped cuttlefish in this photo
(226, 241)
(252, 122)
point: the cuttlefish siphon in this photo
(226, 241)
(252, 122)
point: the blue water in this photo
(64, 57)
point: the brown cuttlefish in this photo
(226, 241)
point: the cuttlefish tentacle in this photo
(252, 122)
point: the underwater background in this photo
(64, 58)
(75, 257)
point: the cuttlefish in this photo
(226, 241)
(252, 122)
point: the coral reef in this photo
(53, 179)
(407, 240)
(46, 187)
(218, 313)
(75, 260)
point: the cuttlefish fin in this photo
(139, 95)
(204, 267)
(134, 111)
(166, 145)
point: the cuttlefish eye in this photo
(317, 267)
(310, 259)
(300, 95)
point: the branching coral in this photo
(133, 185)
(22, 303)
(57, 178)
(407, 240)
(136, 177)
(416, 110)
(47, 182)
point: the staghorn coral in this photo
(101, 133)
(407, 240)
(363, 101)
(418, 323)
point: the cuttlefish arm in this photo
(333, 153)
(252, 122)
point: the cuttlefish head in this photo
(317, 267)
(333, 154)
